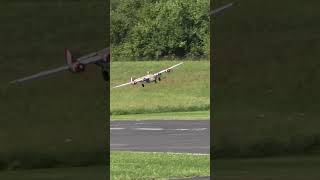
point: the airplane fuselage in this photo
(149, 77)
(146, 79)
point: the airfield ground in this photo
(124, 165)
(178, 144)
(183, 94)
(141, 165)
(180, 136)
(192, 115)
(185, 89)
(276, 168)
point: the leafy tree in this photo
(160, 28)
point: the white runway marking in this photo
(199, 129)
(181, 129)
(159, 129)
(117, 128)
(178, 153)
(149, 129)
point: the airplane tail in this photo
(69, 58)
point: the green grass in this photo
(278, 168)
(194, 115)
(185, 89)
(137, 165)
(266, 78)
(61, 119)
(76, 173)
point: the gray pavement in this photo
(180, 136)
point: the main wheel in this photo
(159, 79)
(142, 85)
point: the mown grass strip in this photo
(195, 115)
(137, 165)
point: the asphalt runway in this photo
(179, 136)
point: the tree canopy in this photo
(155, 29)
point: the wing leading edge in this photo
(167, 70)
(144, 78)
(87, 59)
(41, 74)
(220, 9)
(125, 84)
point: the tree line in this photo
(159, 29)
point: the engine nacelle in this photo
(81, 67)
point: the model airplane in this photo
(76, 65)
(149, 77)
(220, 9)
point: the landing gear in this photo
(159, 79)
(142, 85)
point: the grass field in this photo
(266, 78)
(276, 168)
(137, 165)
(193, 115)
(61, 119)
(185, 89)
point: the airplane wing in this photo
(41, 74)
(125, 84)
(167, 70)
(220, 9)
(87, 59)
(138, 80)
(93, 57)
(145, 78)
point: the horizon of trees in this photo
(159, 29)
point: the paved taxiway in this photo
(180, 136)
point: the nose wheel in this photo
(159, 79)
